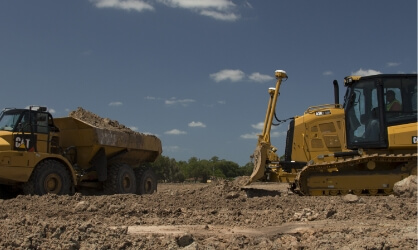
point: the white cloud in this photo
(218, 9)
(133, 128)
(278, 134)
(366, 72)
(222, 102)
(257, 77)
(200, 4)
(114, 104)
(258, 126)
(253, 135)
(235, 75)
(136, 5)
(149, 133)
(248, 5)
(232, 75)
(183, 102)
(219, 15)
(392, 64)
(197, 124)
(175, 132)
(150, 98)
(328, 73)
(52, 111)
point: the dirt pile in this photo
(99, 122)
(407, 187)
(218, 215)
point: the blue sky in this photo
(196, 72)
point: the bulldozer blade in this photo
(260, 157)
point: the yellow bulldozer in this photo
(364, 146)
(40, 155)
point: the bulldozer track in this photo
(343, 176)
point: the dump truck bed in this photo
(131, 147)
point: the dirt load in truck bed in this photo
(89, 132)
(217, 215)
(100, 122)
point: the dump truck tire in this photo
(49, 176)
(120, 179)
(146, 181)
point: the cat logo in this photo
(24, 142)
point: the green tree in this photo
(166, 169)
(169, 170)
(247, 169)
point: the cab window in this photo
(400, 100)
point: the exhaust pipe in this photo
(336, 92)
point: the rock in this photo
(330, 213)
(81, 206)
(193, 246)
(350, 198)
(184, 240)
(406, 187)
(232, 195)
(84, 226)
(306, 215)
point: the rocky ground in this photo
(217, 215)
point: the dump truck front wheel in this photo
(50, 176)
(146, 181)
(120, 179)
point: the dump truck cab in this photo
(29, 146)
(28, 130)
(39, 155)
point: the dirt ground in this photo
(217, 215)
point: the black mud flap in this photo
(99, 162)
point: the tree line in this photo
(169, 170)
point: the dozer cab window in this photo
(400, 100)
(364, 123)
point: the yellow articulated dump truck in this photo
(364, 146)
(40, 155)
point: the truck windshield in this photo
(8, 120)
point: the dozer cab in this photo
(362, 147)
